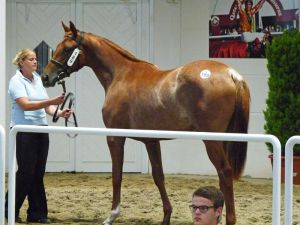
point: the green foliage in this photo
(282, 115)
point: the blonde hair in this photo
(22, 55)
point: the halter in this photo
(65, 71)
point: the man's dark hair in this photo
(248, 1)
(212, 193)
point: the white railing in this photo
(288, 188)
(2, 174)
(146, 133)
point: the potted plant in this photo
(282, 115)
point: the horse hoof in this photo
(107, 222)
(113, 215)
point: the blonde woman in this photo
(30, 103)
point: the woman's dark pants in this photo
(31, 151)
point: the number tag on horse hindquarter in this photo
(204, 74)
(73, 57)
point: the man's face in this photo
(210, 217)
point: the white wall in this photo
(181, 36)
(2, 62)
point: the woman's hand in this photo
(27, 105)
(57, 100)
(66, 113)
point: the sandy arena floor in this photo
(85, 198)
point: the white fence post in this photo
(146, 133)
(2, 174)
(288, 188)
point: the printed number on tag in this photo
(73, 57)
(204, 74)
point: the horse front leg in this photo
(218, 157)
(116, 148)
(154, 152)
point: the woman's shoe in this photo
(17, 219)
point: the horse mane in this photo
(124, 52)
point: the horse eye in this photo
(67, 49)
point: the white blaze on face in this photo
(235, 74)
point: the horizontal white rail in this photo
(2, 173)
(288, 188)
(146, 133)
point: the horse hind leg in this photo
(218, 157)
(116, 148)
(154, 153)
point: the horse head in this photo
(67, 57)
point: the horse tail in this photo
(237, 151)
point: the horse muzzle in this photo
(47, 82)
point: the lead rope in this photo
(71, 98)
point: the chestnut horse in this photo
(199, 96)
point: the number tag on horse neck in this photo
(73, 57)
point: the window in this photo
(43, 53)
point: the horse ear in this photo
(73, 29)
(65, 27)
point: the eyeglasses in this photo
(202, 208)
